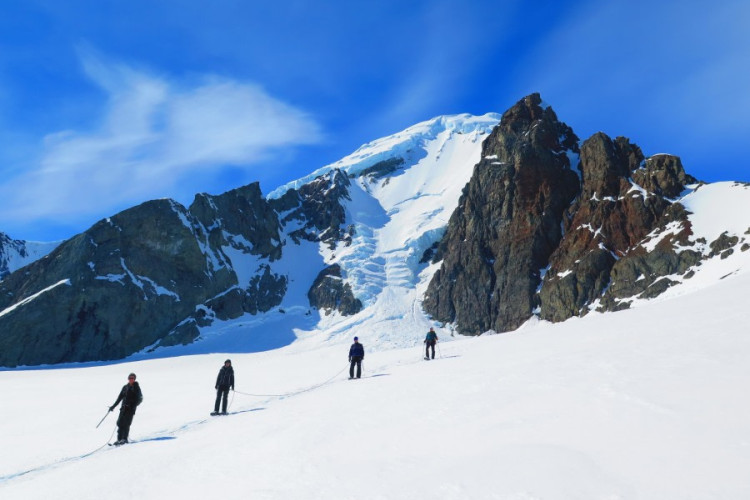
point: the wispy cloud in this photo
(153, 134)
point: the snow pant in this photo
(429, 344)
(356, 360)
(123, 423)
(222, 393)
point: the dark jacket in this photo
(131, 396)
(225, 380)
(431, 337)
(357, 350)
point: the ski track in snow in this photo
(173, 433)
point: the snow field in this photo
(645, 403)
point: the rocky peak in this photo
(140, 278)
(505, 234)
(130, 278)
(528, 131)
(507, 224)
(605, 164)
(663, 174)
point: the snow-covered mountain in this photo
(634, 392)
(473, 224)
(14, 254)
(414, 177)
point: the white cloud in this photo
(230, 122)
(154, 133)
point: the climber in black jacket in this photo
(131, 396)
(356, 355)
(224, 382)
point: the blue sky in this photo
(104, 105)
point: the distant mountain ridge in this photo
(14, 254)
(479, 223)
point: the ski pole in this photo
(438, 346)
(102, 420)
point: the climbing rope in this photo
(295, 392)
(231, 401)
(79, 457)
(58, 462)
(102, 446)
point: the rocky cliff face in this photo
(530, 237)
(507, 224)
(624, 197)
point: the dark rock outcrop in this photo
(601, 256)
(663, 175)
(132, 277)
(329, 292)
(507, 224)
(240, 218)
(317, 207)
(382, 168)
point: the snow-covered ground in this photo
(648, 403)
